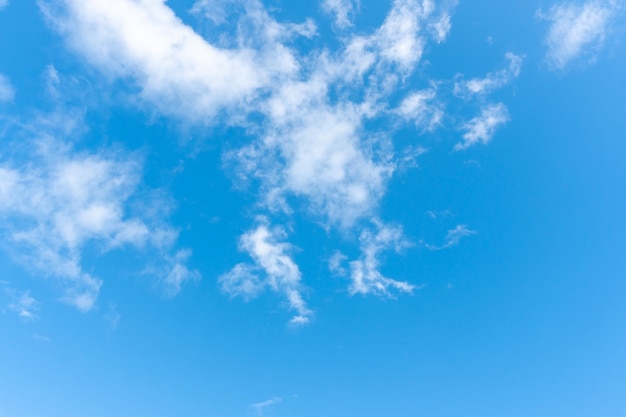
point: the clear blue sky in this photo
(231, 208)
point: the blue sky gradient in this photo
(235, 208)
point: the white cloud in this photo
(22, 303)
(175, 70)
(481, 128)
(273, 268)
(336, 262)
(7, 92)
(55, 202)
(112, 317)
(263, 405)
(310, 147)
(493, 80)
(577, 30)
(453, 237)
(365, 274)
(3, 3)
(422, 109)
(342, 10)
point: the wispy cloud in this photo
(341, 10)
(453, 237)
(577, 31)
(481, 128)
(365, 274)
(112, 317)
(56, 201)
(7, 91)
(264, 405)
(422, 108)
(3, 3)
(22, 303)
(493, 81)
(273, 268)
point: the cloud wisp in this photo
(453, 237)
(262, 406)
(21, 303)
(55, 202)
(577, 31)
(7, 92)
(481, 128)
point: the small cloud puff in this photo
(481, 128)
(7, 91)
(577, 30)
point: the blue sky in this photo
(234, 208)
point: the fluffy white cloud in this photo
(55, 202)
(7, 92)
(493, 80)
(175, 69)
(481, 128)
(422, 109)
(273, 268)
(364, 272)
(342, 10)
(577, 30)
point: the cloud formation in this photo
(364, 272)
(493, 81)
(273, 268)
(341, 10)
(307, 112)
(7, 92)
(263, 405)
(577, 31)
(453, 237)
(481, 128)
(21, 302)
(55, 202)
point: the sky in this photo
(233, 208)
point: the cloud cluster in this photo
(577, 30)
(308, 111)
(55, 202)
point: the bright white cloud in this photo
(175, 70)
(55, 202)
(577, 30)
(342, 10)
(481, 128)
(493, 80)
(365, 274)
(273, 268)
(453, 237)
(7, 92)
